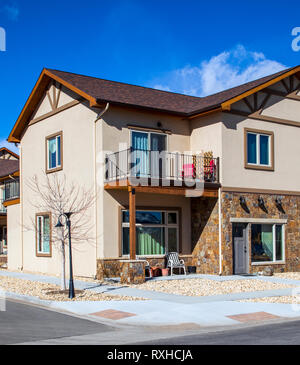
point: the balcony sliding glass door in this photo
(145, 164)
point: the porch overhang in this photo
(207, 190)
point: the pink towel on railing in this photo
(212, 166)
(188, 170)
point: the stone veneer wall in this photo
(231, 208)
(112, 267)
(205, 235)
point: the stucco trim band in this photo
(258, 220)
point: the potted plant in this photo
(165, 272)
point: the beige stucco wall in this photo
(115, 128)
(77, 125)
(286, 175)
(14, 257)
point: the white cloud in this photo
(221, 72)
(10, 146)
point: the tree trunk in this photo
(63, 267)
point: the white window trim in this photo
(258, 149)
(57, 165)
(166, 226)
(273, 262)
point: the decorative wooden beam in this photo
(285, 86)
(58, 110)
(248, 105)
(132, 222)
(292, 96)
(264, 102)
(265, 118)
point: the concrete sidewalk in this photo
(218, 310)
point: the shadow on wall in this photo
(205, 222)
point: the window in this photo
(54, 152)
(43, 234)
(12, 189)
(4, 236)
(142, 143)
(259, 149)
(157, 232)
(267, 242)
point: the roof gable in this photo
(6, 154)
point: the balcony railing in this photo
(160, 165)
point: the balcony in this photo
(161, 168)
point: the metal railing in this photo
(160, 165)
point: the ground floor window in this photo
(43, 234)
(157, 232)
(4, 236)
(267, 242)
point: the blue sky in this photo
(189, 46)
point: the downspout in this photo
(220, 230)
(95, 175)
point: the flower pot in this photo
(156, 271)
(165, 272)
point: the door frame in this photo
(247, 241)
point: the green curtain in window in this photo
(46, 233)
(267, 239)
(150, 241)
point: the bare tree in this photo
(54, 194)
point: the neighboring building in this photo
(243, 146)
(9, 183)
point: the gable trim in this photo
(227, 104)
(34, 98)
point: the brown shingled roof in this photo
(120, 93)
(98, 91)
(8, 167)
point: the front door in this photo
(240, 249)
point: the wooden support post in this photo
(132, 220)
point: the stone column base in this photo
(133, 271)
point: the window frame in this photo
(282, 261)
(48, 138)
(149, 132)
(37, 252)
(4, 228)
(258, 165)
(165, 225)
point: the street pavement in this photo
(24, 323)
(286, 333)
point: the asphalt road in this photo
(24, 323)
(286, 333)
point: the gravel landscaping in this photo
(283, 299)
(288, 275)
(203, 287)
(49, 291)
